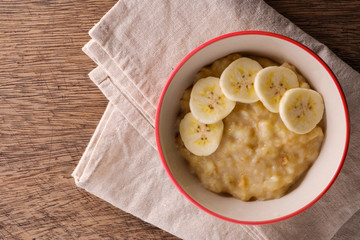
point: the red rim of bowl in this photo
(187, 57)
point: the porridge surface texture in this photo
(258, 157)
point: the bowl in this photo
(318, 178)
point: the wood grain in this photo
(334, 23)
(49, 109)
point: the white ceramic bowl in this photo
(320, 176)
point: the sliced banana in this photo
(237, 80)
(301, 109)
(271, 84)
(200, 138)
(208, 103)
(301, 79)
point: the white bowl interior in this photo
(320, 174)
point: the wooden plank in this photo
(334, 23)
(49, 109)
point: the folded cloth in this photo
(136, 45)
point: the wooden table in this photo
(49, 110)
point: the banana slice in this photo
(301, 109)
(237, 80)
(208, 104)
(271, 84)
(200, 138)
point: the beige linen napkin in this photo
(136, 45)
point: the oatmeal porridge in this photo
(258, 157)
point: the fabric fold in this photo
(124, 105)
(136, 45)
(120, 82)
(85, 166)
